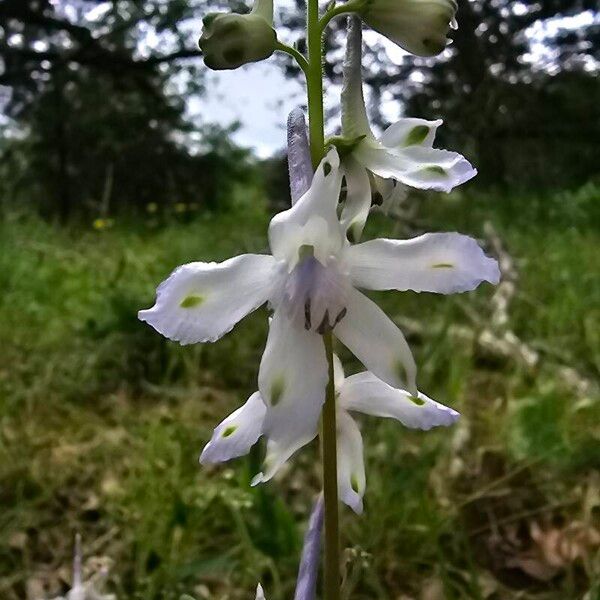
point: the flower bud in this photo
(418, 26)
(231, 40)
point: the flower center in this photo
(314, 295)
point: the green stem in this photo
(314, 81)
(330, 485)
(298, 56)
(343, 9)
(316, 129)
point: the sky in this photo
(259, 96)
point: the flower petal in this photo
(313, 219)
(299, 161)
(358, 198)
(338, 372)
(350, 462)
(235, 435)
(260, 594)
(410, 132)
(393, 194)
(367, 394)
(292, 379)
(445, 263)
(376, 341)
(416, 166)
(201, 302)
(355, 122)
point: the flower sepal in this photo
(344, 145)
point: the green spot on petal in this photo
(354, 232)
(401, 371)
(436, 169)
(306, 251)
(277, 389)
(229, 431)
(354, 483)
(416, 400)
(442, 266)
(192, 301)
(416, 135)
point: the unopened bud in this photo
(418, 26)
(230, 40)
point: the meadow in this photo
(102, 420)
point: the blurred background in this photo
(122, 157)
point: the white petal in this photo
(367, 394)
(410, 132)
(376, 341)
(235, 435)
(313, 219)
(260, 595)
(338, 372)
(358, 198)
(445, 263)
(200, 302)
(354, 115)
(393, 194)
(350, 462)
(416, 166)
(292, 379)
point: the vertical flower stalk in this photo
(316, 121)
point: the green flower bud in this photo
(231, 40)
(418, 26)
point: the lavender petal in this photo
(299, 161)
(306, 587)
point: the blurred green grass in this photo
(102, 420)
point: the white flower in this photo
(260, 595)
(418, 26)
(311, 282)
(404, 153)
(363, 393)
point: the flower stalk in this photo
(316, 128)
(331, 574)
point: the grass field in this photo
(102, 421)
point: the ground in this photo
(102, 420)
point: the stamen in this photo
(314, 295)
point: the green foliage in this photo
(102, 420)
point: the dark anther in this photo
(307, 322)
(341, 315)
(324, 326)
(326, 168)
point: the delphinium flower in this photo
(311, 282)
(313, 279)
(402, 156)
(364, 393)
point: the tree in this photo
(98, 92)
